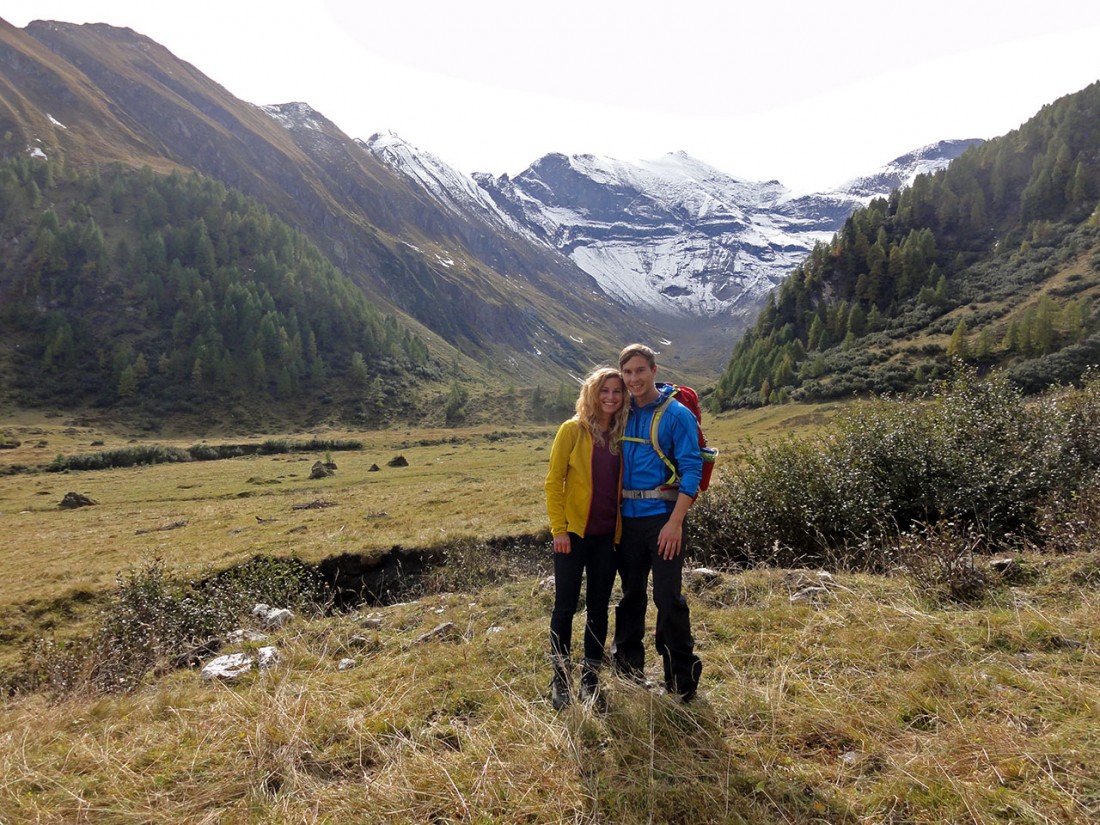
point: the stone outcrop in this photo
(73, 500)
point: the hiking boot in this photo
(682, 698)
(630, 672)
(559, 691)
(590, 686)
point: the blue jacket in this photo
(678, 435)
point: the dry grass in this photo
(872, 705)
(472, 482)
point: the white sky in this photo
(807, 92)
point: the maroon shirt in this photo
(604, 513)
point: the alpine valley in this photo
(165, 240)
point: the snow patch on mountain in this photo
(671, 235)
(674, 234)
(902, 171)
(457, 192)
(296, 115)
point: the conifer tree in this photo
(958, 346)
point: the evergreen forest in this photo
(171, 293)
(994, 261)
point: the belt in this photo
(662, 493)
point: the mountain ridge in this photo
(674, 238)
(993, 262)
(511, 306)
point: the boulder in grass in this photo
(398, 461)
(272, 618)
(233, 666)
(701, 578)
(244, 635)
(319, 470)
(267, 657)
(73, 500)
(1009, 569)
(227, 668)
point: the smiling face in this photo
(611, 395)
(641, 379)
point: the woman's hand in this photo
(562, 544)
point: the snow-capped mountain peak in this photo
(455, 190)
(673, 235)
(903, 170)
(297, 115)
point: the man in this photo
(656, 498)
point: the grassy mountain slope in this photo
(995, 260)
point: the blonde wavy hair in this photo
(588, 405)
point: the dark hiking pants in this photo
(636, 556)
(595, 556)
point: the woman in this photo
(582, 500)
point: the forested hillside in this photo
(488, 299)
(994, 261)
(175, 294)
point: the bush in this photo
(151, 617)
(973, 454)
(940, 559)
(153, 454)
(125, 457)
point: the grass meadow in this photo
(863, 700)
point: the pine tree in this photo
(128, 382)
(358, 373)
(958, 346)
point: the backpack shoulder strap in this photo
(654, 423)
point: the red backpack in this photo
(690, 399)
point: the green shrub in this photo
(153, 454)
(975, 454)
(152, 617)
(124, 457)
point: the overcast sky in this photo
(809, 93)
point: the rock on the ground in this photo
(233, 666)
(73, 500)
(272, 618)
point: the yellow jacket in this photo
(569, 481)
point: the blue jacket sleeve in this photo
(684, 433)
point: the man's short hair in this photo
(638, 349)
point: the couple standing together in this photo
(617, 504)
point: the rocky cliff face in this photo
(679, 238)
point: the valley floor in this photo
(844, 698)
